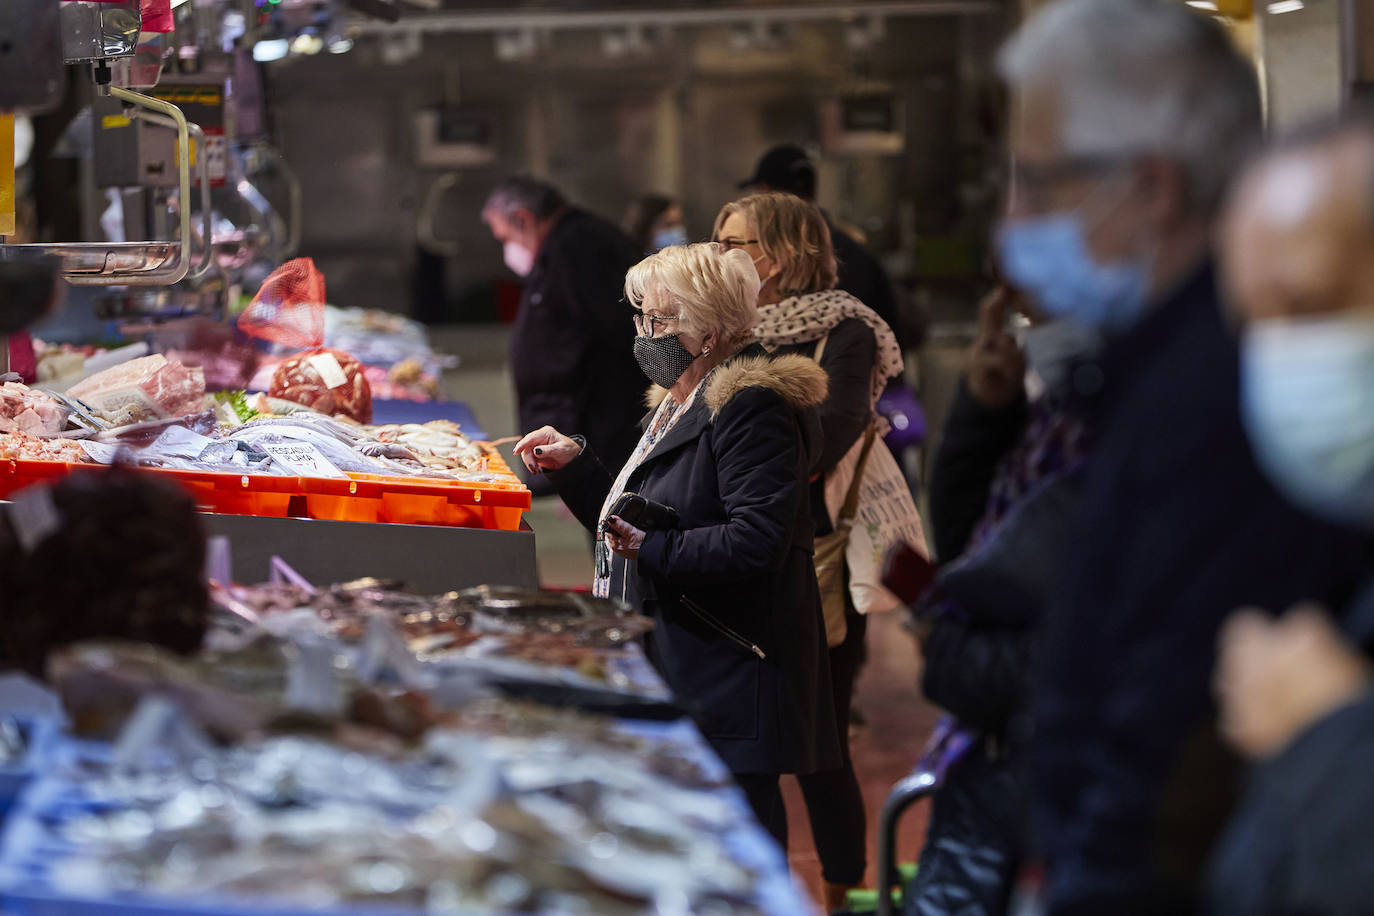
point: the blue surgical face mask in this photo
(1307, 394)
(1047, 258)
(669, 236)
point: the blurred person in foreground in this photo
(1297, 691)
(570, 350)
(655, 222)
(728, 444)
(141, 553)
(1012, 381)
(801, 312)
(1003, 492)
(1129, 117)
(787, 168)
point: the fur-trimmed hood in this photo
(799, 380)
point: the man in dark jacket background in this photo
(1129, 119)
(787, 168)
(572, 351)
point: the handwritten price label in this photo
(303, 459)
(99, 451)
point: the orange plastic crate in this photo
(15, 475)
(361, 498)
(236, 494)
(417, 501)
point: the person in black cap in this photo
(787, 168)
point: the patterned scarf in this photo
(1054, 440)
(811, 316)
(664, 419)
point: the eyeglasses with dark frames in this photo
(646, 324)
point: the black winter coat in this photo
(847, 360)
(988, 599)
(991, 599)
(1178, 528)
(572, 346)
(862, 275)
(737, 575)
(1301, 843)
(973, 442)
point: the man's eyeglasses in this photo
(1039, 185)
(646, 324)
(732, 244)
(1044, 175)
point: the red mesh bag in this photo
(289, 308)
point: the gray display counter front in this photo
(430, 559)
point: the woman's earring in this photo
(706, 350)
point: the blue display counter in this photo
(384, 412)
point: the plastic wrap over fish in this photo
(366, 455)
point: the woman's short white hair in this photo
(1136, 77)
(711, 288)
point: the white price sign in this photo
(302, 459)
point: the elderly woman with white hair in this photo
(728, 444)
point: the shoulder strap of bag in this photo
(851, 500)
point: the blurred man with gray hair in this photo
(1130, 117)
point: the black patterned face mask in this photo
(663, 359)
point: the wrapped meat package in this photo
(147, 388)
(329, 381)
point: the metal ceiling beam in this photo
(537, 19)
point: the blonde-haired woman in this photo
(728, 444)
(801, 313)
